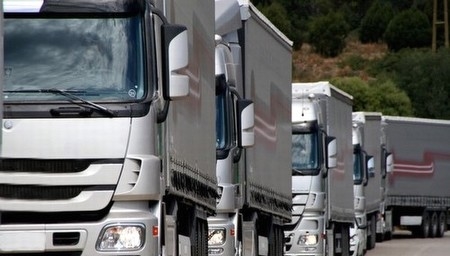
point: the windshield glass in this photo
(99, 59)
(357, 170)
(305, 151)
(222, 127)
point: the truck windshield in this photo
(223, 128)
(100, 58)
(357, 167)
(305, 153)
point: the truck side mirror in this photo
(174, 39)
(370, 166)
(389, 163)
(246, 123)
(331, 152)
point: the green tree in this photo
(327, 34)
(389, 99)
(356, 87)
(293, 27)
(276, 13)
(375, 22)
(408, 29)
(378, 96)
(424, 76)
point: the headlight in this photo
(308, 239)
(216, 237)
(121, 237)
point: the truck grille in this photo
(44, 166)
(62, 185)
(39, 192)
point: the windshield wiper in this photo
(72, 98)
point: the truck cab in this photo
(93, 159)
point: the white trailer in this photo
(371, 161)
(322, 171)
(253, 69)
(94, 161)
(418, 196)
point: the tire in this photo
(371, 240)
(380, 237)
(434, 224)
(199, 238)
(442, 224)
(344, 240)
(424, 230)
(388, 236)
(275, 241)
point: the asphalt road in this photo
(403, 244)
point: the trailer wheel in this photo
(434, 224)
(442, 224)
(425, 226)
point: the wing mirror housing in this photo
(370, 166)
(331, 152)
(174, 39)
(389, 163)
(246, 123)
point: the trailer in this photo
(418, 196)
(322, 171)
(254, 168)
(108, 131)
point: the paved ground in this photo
(404, 245)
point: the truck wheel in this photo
(388, 236)
(199, 238)
(371, 240)
(442, 224)
(343, 241)
(425, 226)
(434, 225)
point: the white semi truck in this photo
(253, 69)
(371, 164)
(322, 171)
(94, 160)
(1, 65)
(418, 195)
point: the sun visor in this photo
(228, 16)
(22, 6)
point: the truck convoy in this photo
(418, 196)
(253, 69)
(322, 171)
(108, 131)
(371, 163)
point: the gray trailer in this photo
(253, 62)
(418, 196)
(322, 171)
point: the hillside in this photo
(310, 67)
